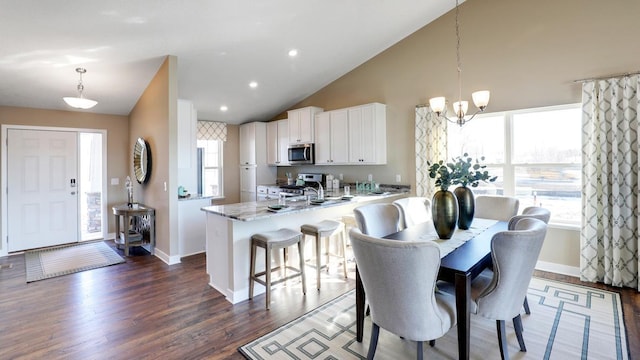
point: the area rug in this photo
(62, 260)
(566, 322)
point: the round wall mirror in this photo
(141, 161)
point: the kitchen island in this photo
(230, 227)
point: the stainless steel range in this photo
(309, 180)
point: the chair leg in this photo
(517, 325)
(526, 306)
(267, 265)
(301, 256)
(343, 237)
(318, 259)
(419, 349)
(502, 339)
(252, 270)
(373, 343)
(327, 244)
(284, 263)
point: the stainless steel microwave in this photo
(301, 154)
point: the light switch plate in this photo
(115, 181)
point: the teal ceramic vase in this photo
(444, 210)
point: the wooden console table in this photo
(128, 239)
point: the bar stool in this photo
(273, 240)
(326, 229)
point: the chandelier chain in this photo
(459, 61)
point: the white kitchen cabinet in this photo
(253, 160)
(301, 124)
(248, 143)
(368, 134)
(248, 182)
(331, 137)
(187, 145)
(278, 142)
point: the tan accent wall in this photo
(154, 118)
(117, 136)
(528, 53)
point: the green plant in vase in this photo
(444, 206)
(467, 172)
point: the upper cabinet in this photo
(301, 124)
(368, 134)
(331, 137)
(278, 142)
(253, 143)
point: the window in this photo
(535, 153)
(211, 138)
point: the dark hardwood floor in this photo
(145, 309)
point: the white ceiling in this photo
(221, 46)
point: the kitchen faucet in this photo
(319, 192)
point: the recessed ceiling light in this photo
(293, 52)
(224, 108)
(253, 84)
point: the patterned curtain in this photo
(212, 130)
(610, 224)
(431, 145)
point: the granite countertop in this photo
(255, 210)
(194, 197)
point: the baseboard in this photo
(191, 254)
(558, 268)
(169, 260)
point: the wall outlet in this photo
(398, 178)
(340, 177)
(370, 177)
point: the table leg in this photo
(360, 297)
(152, 234)
(463, 310)
(126, 235)
(117, 231)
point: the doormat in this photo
(62, 260)
(566, 322)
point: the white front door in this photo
(42, 200)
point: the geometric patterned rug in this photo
(566, 322)
(67, 259)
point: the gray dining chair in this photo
(377, 219)
(535, 212)
(403, 301)
(413, 210)
(500, 208)
(514, 254)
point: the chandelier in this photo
(480, 98)
(80, 102)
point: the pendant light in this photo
(480, 98)
(80, 102)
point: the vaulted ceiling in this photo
(221, 47)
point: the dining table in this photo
(459, 266)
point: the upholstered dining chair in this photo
(413, 210)
(514, 254)
(377, 219)
(403, 301)
(535, 212)
(494, 207)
